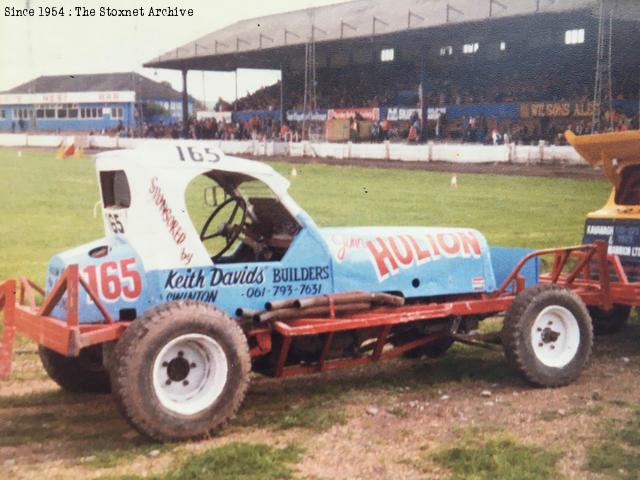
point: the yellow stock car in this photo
(618, 221)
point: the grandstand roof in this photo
(99, 82)
(358, 19)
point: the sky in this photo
(60, 45)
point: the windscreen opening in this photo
(115, 189)
(239, 218)
(628, 193)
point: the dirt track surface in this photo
(556, 170)
(391, 418)
(546, 169)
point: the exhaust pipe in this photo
(246, 313)
(350, 297)
(321, 311)
(279, 304)
(343, 302)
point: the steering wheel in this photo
(229, 230)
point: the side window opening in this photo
(115, 189)
(239, 219)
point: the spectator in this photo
(353, 130)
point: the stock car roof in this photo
(609, 151)
(174, 158)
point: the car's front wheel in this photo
(181, 371)
(547, 335)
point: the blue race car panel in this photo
(416, 261)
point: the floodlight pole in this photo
(204, 91)
(424, 109)
(235, 103)
(185, 105)
(282, 92)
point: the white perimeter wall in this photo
(431, 152)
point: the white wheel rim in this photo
(190, 373)
(555, 336)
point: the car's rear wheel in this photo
(607, 322)
(181, 371)
(435, 349)
(547, 335)
(82, 374)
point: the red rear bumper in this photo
(67, 337)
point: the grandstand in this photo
(525, 67)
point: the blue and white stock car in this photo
(243, 279)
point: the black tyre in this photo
(607, 322)
(82, 374)
(181, 371)
(547, 335)
(434, 349)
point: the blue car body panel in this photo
(411, 261)
(414, 261)
(505, 259)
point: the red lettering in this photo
(380, 256)
(170, 221)
(470, 244)
(407, 257)
(128, 271)
(450, 248)
(186, 257)
(166, 214)
(434, 246)
(110, 281)
(345, 245)
(90, 272)
(421, 255)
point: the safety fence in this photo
(429, 152)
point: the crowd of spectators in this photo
(470, 129)
(255, 128)
(356, 87)
(266, 98)
(387, 86)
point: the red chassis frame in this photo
(588, 274)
